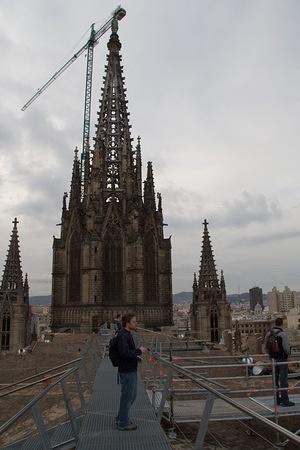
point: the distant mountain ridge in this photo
(180, 297)
(44, 300)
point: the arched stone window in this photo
(74, 269)
(5, 331)
(113, 266)
(150, 269)
(214, 325)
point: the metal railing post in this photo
(79, 389)
(204, 422)
(167, 384)
(40, 424)
(275, 395)
(69, 408)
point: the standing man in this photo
(118, 323)
(278, 346)
(128, 360)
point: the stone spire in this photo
(195, 284)
(149, 191)
(138, 168)
(223, 286)
(113, 129)
(12, 274)
(208, 278)
(75, 192)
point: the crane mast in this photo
(87, 104)
(117, 14)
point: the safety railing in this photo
(214, 390)
(79, 379)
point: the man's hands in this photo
(143, 349)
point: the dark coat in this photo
(128, 352)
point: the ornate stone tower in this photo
(14, 300)
(210, 311)
(112, 256)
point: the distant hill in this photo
(180, 297)
(44, 300)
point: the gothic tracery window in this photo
(113, 266)
(214, 325)
(5, 331)
(150, 269)
(74, 268)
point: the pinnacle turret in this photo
(138, 168)
(75, 192)
(12, 274)
(149, 191)
(195, 284)
(207, 274)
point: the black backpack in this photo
(113, 352)
(273, 344)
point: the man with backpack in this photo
(127, 364)
(278, 346)
(118, 323)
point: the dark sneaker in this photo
(287, 404)
(117, 420)
(130, 427)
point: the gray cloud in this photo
(246, 209)
(266, 238)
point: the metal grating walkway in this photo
(98, 431)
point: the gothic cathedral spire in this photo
(14, 300)
(12, 275)
(210, 311)
(207, 274)
(112, 254)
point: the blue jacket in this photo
(128, 352)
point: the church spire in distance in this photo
(12, 274)
(207, 274)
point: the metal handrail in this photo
(33, 403)
(38, 374)
(32, 384)
(216, 393)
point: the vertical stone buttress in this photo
(210, 311)
(14, 300)
(112, 256)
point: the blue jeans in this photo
(128, 395)
(281, 380)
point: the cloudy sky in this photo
(213, 90)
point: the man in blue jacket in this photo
(128, 360)
(281, 361)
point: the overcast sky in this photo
(213, 90)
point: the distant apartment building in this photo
(281, 302)
(293, 318)
(253, 326)
(256, 297)
(40, 319)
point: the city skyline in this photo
(212, 91)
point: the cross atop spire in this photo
(15, 222)
(12, 274)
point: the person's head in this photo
(129, 321)
(278, 322)
(118, 317)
